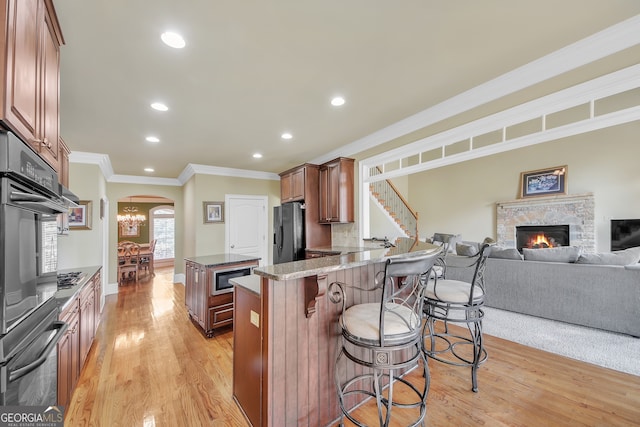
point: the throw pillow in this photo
(561, 254)
(625, 257)
(504, 253)
(466, 249)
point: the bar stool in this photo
(384, 339)
(457, 302)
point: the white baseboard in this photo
(111, 289)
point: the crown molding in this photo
(597, 46)
(147, 180)
(101, 160)
(193, 169)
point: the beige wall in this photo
(459, 198)
(116, 191)
(603, 162)
(379, 223)
(209, 238)
(193, 238)
(83, 248)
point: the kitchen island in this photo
(299, 333)
(208, 292)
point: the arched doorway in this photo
(157, 222)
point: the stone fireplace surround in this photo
(578, 211)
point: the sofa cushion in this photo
(466, 249)
(504, 253)
(561, 254)
(625, 257)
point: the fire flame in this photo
(540, 240)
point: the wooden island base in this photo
(299, 335)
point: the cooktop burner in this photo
(68, 280)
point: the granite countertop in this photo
(315, 266)
(221, 259)
(250, 282)
(337, 250)
(65, 296)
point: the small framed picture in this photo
(129, 230)
(80, 217)
(213, 212)
(544, 182)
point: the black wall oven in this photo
(29, 329)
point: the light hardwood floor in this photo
(149, 366)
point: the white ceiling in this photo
(254, 69)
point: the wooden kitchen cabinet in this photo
(87, 320)
(292, 184)
(336, 191)
(208, 308)
(195, 292)
(30, 74)
(97, 290)
(69, 354)
(247, 349)
(63, 157)
(82, 314)
(220, 310)
(300, 184)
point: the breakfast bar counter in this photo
(299, 333)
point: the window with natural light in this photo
(162, 225)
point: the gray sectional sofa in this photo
(595, 295)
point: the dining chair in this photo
(146, 258)
(128, 261)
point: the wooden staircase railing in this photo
(396, 206)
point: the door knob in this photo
(233, 246)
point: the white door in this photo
(246, 226)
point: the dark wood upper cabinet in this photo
(300, 184)
(292, 184)
(336, 191)
(30, 74)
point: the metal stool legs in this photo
(379, 380)
(453, 348)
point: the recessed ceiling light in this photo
(286, 135)
(148, 169)
(257, 156)
(172, 39)
(152, 139)
(337, 101)
(159, 106)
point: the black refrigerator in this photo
(288, 233)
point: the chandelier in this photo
(131, 218)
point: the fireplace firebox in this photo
(541, 236)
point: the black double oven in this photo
(30, 202)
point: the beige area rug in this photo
(607, 349)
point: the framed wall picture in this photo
(129, 230)
(213, 212)
(80, 217)
(544, 182)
